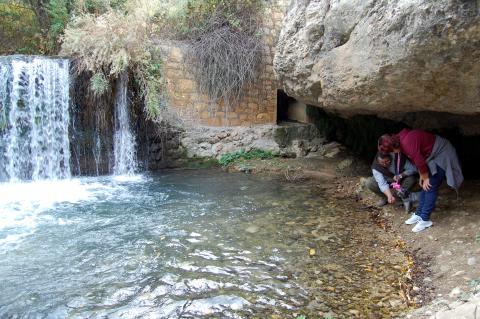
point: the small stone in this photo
(446, 253)
(251, 229)
(471, 261)
(354, 312)
(455, 292)
(415, 288)
(395, 303)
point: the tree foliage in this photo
(20, 31)
(107, 37)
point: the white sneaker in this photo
(421, 225)
(413, 219)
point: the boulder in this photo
(384, 57)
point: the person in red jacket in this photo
(435, 159)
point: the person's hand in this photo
(425, 183)
(397, 178)
(391, 199)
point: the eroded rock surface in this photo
(382, 56)
(289, 139)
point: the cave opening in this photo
(360, 133)
(290, 110)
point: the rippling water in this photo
(177, 245)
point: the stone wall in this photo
(288, 139)
(260, 101)
(196, 146)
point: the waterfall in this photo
(124, 146)
(34, 118)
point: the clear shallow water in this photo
(182, 244)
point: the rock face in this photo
(290, 139)
(382, 56)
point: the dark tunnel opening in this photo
(360, 133)
(283, 103)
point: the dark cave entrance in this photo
(361, 132)
(290, 110)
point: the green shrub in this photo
(20, 31)
(99, 84)
(109, 44)
(33, 27)
(59, 13)
(229, 158)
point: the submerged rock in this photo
(251, 229)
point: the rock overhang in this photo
(387, 58)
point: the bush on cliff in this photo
(225, 45)
(223, 37)
(114, 42)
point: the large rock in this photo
(382, 56)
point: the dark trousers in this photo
(428, 198)
(407, 183)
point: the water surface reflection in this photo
(187, 244)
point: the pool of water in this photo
(187, 244)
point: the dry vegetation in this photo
(223, 39)
(108, 37)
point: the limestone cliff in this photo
(382, 56)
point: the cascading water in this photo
(124, 146)
(34, 118)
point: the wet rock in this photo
(251, 229)
(315, 305)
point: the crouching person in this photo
(392, 178)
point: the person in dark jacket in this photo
(435, 159)
(392, 178)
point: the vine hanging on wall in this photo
(225, 47)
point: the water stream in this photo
(183, 244)
(124, 144)
(168, 246)
(34, 118)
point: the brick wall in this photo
(259, 105)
